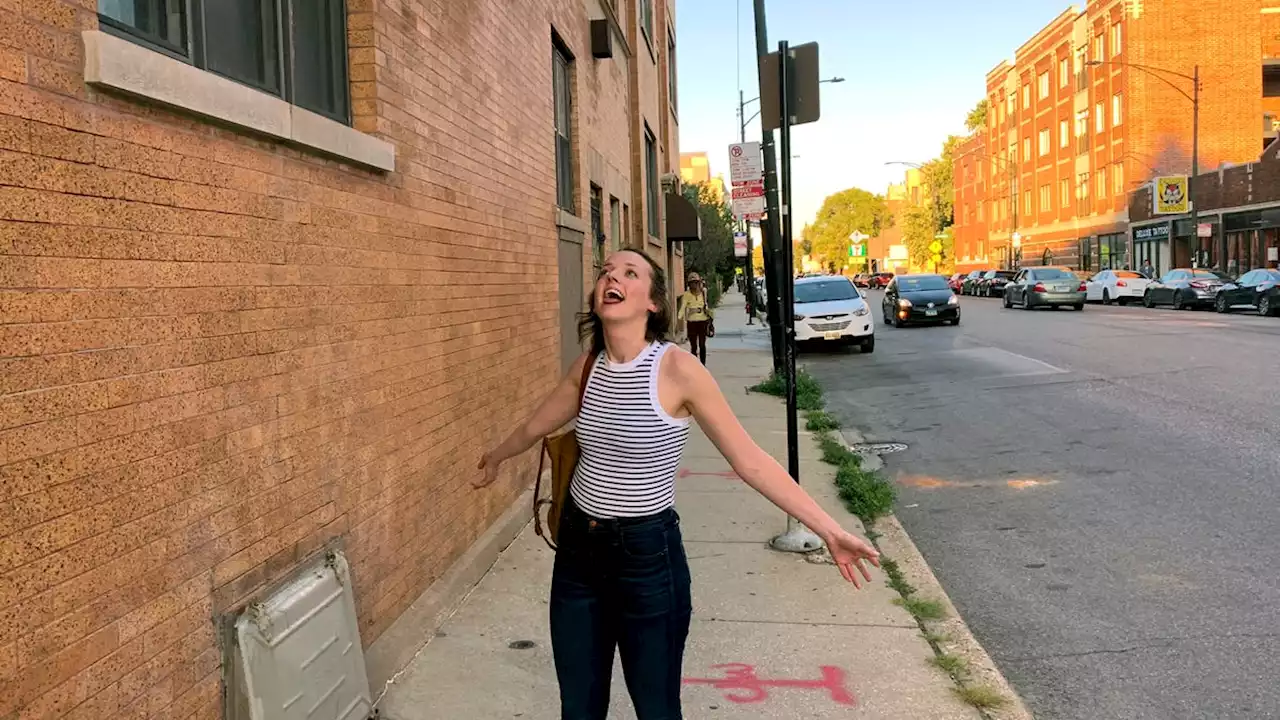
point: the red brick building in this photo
(251, 309)
(1076, 125)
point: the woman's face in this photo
(624, 287)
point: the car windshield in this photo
(1209, 275)
(926, 282)
(815, 292)
(1054, 274)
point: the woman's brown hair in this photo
(591, 328)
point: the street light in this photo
(742, 109)
(1194, 97)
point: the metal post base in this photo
(797, 539)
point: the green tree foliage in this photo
(935, 214)
(713, 256)
(841, 215)
(977, 117)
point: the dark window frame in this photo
(562, 109)
(596, 200)
(278, 62)
(671, 72)
(652, 194)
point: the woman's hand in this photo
(489, 463)
(850, 553)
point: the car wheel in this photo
(1026, 302)
(1005, 301)
(1106, 297)
(1147, 301)
(1264, 306)
(1220, 304)
(1078, 307)
(1122, 302)
(869, 345)
(1178, 303)
(955, 323)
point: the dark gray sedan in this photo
(1053, 287)
(1186, 288)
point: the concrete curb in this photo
(896, 544)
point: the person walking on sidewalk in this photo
(698, 316)
(621, 577)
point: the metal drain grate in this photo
(880, 448)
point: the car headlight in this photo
(799, 318)
(953, 300)
(864, 310)
(904, 303)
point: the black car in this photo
(1258, 289)
(970, 282)
(992, 283)
(920, 298)
(1186, 288)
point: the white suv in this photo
(830, 308)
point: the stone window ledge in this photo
(569, 221)
(115, 63)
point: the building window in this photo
(1116, 34)
(305, 65)
(1086, 254)
(1046, 198)
(1026, 97)
(1082, 132)
(1064, 134)
(1064, 72)
(1271, 81)
(981, 212)
(646, 18)
(597, 224)
(1026, 202)
(1000, 110)
(1044, 85)
(1026, 149)
(1082, 71)
(562, 87)
(1084, 205)
(1097, 48)
(1101, 181)
(1045, 142)
(615, 224)
(1064, 193)
(651, 180)
(1099, 117)
(671, 70)
(1008, 101)
(626, 226)
(1117, 178)
(1117, 115)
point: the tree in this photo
(935, 215)
(713, 255)
(842, 214)
(977, 117)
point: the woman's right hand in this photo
(489, 464)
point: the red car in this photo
(955, 282)
(879, 280)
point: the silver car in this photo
(1053, 287)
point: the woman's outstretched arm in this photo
(557, 409)
(758, 469)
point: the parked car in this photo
(879, 280)
(1050, 286)
(1185, 288)
(956, 282)
(920, 298)
(1119, 286)
(992, 283)
(1258, 289)
(970, 282)
(831, 309)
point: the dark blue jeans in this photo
(620, 583)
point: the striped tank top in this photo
(630, 447)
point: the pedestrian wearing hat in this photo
(698, 316)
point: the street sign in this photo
(746, 164)
(1171, 195)
(858, 250)
(1204, 230)
(739, 244)
(858, 236)
(804, 81)
(748, 206)
(936, 259)
(935, 247)
(748, 190)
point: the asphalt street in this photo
(1098, 491)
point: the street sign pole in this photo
(770, 234)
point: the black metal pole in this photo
(771, 230)
(788, 263)
(750, 286)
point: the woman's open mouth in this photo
(613, 296)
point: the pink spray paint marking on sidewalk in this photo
(742, 685)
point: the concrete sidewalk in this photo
(773, 635)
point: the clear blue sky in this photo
(912, 69)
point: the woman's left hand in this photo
(851, 553)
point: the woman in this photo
(621, 577)
(697, 316)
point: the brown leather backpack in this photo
(563, 451)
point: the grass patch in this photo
(937, 638)
(821, 421)
(835, 452)
(866, 494)
(897, 581)
(921, 608)
(808, 391)
(953, 665)
(983, 697)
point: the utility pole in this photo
(745, 225)
(771, 229)
(1195, 163)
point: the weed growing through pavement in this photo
(808, 391)
(821, 421)
(953, 665)
(922, 608)
(983, 697)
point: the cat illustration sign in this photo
(1171, 195)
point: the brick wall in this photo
(219, 353)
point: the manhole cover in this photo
(522, 645)
(881, 448)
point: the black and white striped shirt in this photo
(630, 446)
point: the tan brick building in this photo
(1067, 141)
(251, 309)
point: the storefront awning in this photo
(683, 223)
